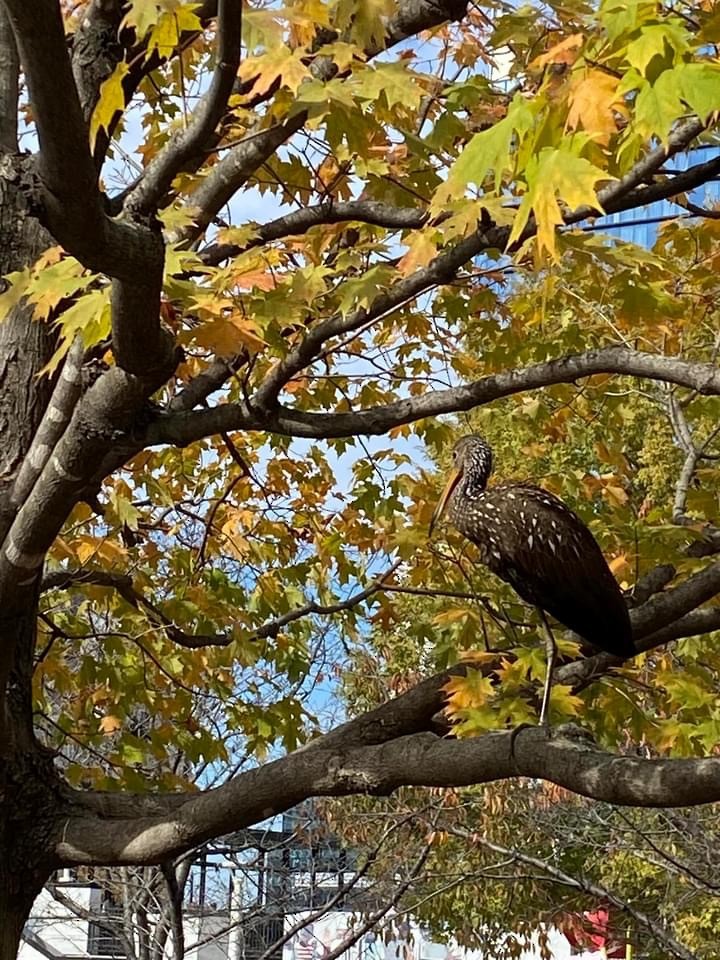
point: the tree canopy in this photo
(253, 253)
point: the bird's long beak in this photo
(445, 496)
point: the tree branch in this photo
(159, 175)
(683, 134)
(239, 164)
(235, 168)
(55, 420)
(599, 892)
(181, 429)
(95, 53)
(122, 583)
(417, 760)
(131, 253)
(441, 269)
(300, 221)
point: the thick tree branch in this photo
(9, 75)
(300, 221)
(668, 186)
(96, 52)
(235, 169)
(683, 135)
(417, 760)
(56, 418)
(206, 382)
(184, 428)
(105, 412)
(185, 145)
(71, 197)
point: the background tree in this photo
(181, 571)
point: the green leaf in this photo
(90, 317)
(658, 106)
(700, 87)
(556, 174)
(490, 149)
(655, 41)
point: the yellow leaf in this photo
(85, 550)
(110, 101)
(226, 336)
(141, 16)
(556, 174)
(109, 724)
(422, 250)
(281, 63)
(174, 21)
(616, 495)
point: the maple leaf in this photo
(175, 19)
(109, 724)
(365, 21)
(141, 16)
(593, 103)
(422, 249)
(656, 40)
(110, 102)
(279, 63)
(566, 51)
(491, 149)
(657, 106)
(556, 174)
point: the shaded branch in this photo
(95, 54)
(105, 412)
(235, 169)
(131, 253)
(679, 138)
(206, 382)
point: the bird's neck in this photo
(474, 485)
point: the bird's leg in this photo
(551, 654)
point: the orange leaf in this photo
(564, 52)
(593, 103)
(110, 724)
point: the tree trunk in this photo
(30, 798)
(15, 903)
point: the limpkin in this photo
(531, 540)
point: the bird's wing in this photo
(551, 559)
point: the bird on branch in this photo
(533, 541)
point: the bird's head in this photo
(472, 466)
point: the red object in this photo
(591, 931)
